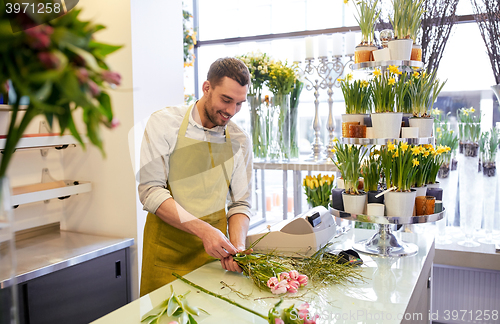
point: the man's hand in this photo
(216, 244)
(230, 265)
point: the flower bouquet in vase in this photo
(258, 66)
(294, 131)
(367, 15)
(281, 83)
(385, 122)
(490, 181)
(470, 181)
(348, 161)
(357, 98)
(318, 189)
(400, 166)
(424, 89)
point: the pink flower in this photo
(284, 276)
(115, 122)
(302, 280)
(293, 286)
(278, 321)
(94, 88)
(49, 60)
(112, 77)
(303, 310)
(273, 281)
(173, 322)
(294, 274)
(280, 288)
(83, 75)
(39, 36)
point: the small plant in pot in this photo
(385, 122)
(423, 158)
(357, 98)
(318, 189)
(447, 138)
(415, 24)
(437, 158)
(348, 161)
(401, 21)
(400, 167)
(367, 15)
(371, 170)
(424, 89)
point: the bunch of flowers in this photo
(282, 77)
(61, 68)
(287, 282)
(383, 94)
(423, 158)
(367, 15)
(258, 64)
(400, 165)
(423, 90)
(357, 95)
(270, 275)
(371, 170)
(318, 189)
(348, 161)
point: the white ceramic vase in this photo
(400, 49)
(386, 125)
(354, 204)
(400, 204)
(424, 124)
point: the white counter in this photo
(394, 288)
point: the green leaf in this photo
(102, 50)
(173, 305)
(191, 319)
(88, 57)
(184, 318)
(155, 311)
(191, 309)
(105, 102)
(45, 91)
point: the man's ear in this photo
(206, 87)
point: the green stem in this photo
(219, 296)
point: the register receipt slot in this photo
(304, 234)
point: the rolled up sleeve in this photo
(153, 173)
(240, 196)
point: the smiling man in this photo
(195, 162)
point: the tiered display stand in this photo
(384, 242)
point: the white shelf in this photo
(38, 142)
(383, 141)
(71, 188)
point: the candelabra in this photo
(327, 74)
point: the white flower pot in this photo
(400, 49)
(409, 132)
(420, 191)
(400, 204)
(354, 118)
(425, 125)
(383, 54)
(433, 185)
(340, 183)
(354, 204)
(386, 125)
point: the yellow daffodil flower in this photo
(395, 155)
(416, 75)
(394, 69)
(472, 110)
(426, 153)
(392, 81)
(348, 76)
(415, 162)
(438, 129)
(436, 111)
(390, 146)
(340, 80)
(404, 147)
(377, 72)
(415, 150)
(346, 1)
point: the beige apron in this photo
(199, 181)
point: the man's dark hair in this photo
(228, 67)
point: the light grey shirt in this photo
(160, 137)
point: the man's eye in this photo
(226, 101)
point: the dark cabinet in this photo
(78, 294)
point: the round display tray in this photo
(383, 141)
(387, 220)
(372, 64)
